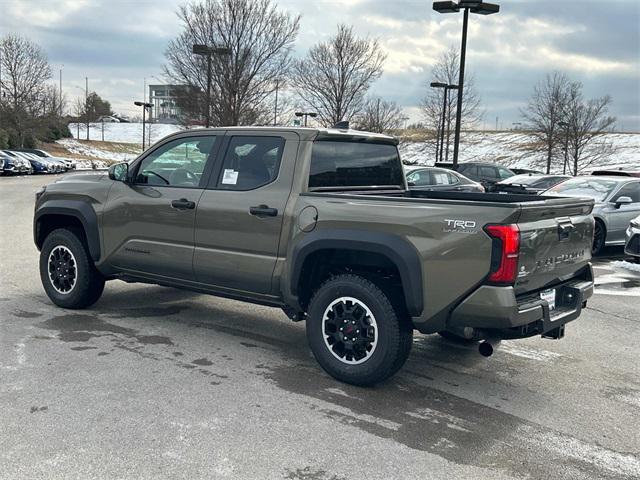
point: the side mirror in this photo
(119, 172)
(623, 201)
(411, 184)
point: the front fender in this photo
(78, 209)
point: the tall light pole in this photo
(206, 50)
(440, 140)
(86, 102)
(60, 92)
(275, 108)
(144, 106)
(306, 115)
(473, 6)
(565, 125)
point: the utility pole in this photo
(60, 93)
(86, 103)
(275, 109)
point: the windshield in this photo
(355, 164)
(596, 188)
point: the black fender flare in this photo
(78, 209)
(399, 251)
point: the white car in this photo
(632, 245)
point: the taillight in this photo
(505, 253)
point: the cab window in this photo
(250, 162)
(179, 163)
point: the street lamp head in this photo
(474, 6)
(299, 114)
(438, 85)
(143, 104)
(453, 87)
(313, 115)
(484, 8)
(221, 51)
(446, 7)
(200, 49)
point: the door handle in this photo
(183, 204)
(263, 211)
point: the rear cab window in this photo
(342, 164)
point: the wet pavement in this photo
(159, 383)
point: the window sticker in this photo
(229, 177)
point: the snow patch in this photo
(509, 149)
(123, 132)
(634, 267)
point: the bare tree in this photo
(544, 111)
(380, 116)
(587, 122)
(25, 70)
(335, 76)
(260, 39)
(447, 70)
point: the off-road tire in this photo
(89, 283)
(394, 330)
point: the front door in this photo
(620, 217)
(239, 217)
(149, 221)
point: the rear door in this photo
(239, 217)
(555, 241)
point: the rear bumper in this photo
(500, 313)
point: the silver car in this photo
(632, 245)
(617, 203)
(440, 179)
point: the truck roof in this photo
(307, 133)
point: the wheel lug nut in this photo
(353, 322)
(341, 328)
(353, 339)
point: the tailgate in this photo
(555, 241)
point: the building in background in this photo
(165, 108)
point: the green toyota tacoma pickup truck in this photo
(320, 223)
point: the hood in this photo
(83, 177)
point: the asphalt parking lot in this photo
(159, 383)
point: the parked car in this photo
(10, 164)
(108, 119)
(68, 163)
(617, 173)
(529, 183)
(38, 163)
(440, 179)
(617, 203)
(328, 233)
(488, 174)
(21, 164)
(632, 244)
(522, 171)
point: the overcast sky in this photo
(119, 43)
